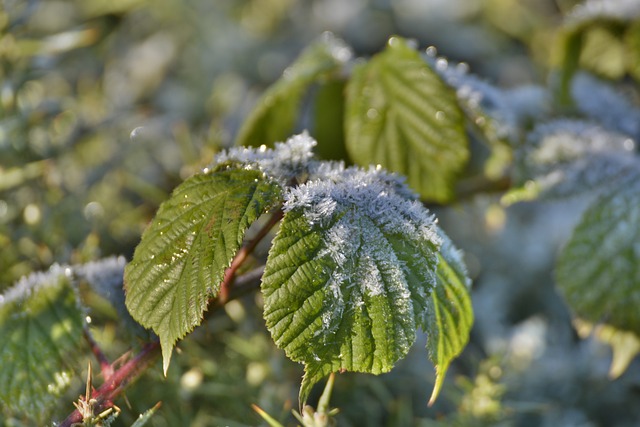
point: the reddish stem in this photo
(243, 254)
(105, 366)
(116, 383)
(117, 380)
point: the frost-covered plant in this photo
(357, 265)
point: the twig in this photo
(116, 383)
(105, 366)
(243, 254)
(117, 380)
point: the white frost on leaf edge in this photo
(30, 284)
(285, 161)
(566, 156)
(380, 196)
(358, 209)
(624, 10)
(566, 140)
(509, 109)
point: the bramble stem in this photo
(116, 383)
(116, 380)
(243, 254)
(105, 366)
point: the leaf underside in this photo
(180, 262)
(41, 334)
(347, 292)
(274, 117)
(450, 315)
(599, 269)
(401, 115)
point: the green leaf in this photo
(275, 115)
(562, 158)
(328, 121)
(599, 269)
(348, 276)
(401, 115)
(180, 262)
(41, 326)
(450, 315)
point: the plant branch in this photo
(105, 366)
(243, 254)
(115, 384)
(116, 380)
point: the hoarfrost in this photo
(601, 102)
(378, 239)
(286, 161)
(624, 10)
(509, 109)
(567, 156)
(32, 283)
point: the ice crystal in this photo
(337, 172)
(508, 108)
(565, 156)
(624, 10)
(599, 101)
(363, 212)
(29, 285)
(286, 161)
(376, 194)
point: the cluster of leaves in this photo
(358, 264)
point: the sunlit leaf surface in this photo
(180, 262)
(401, 115)
(450, 315)
(349, 275)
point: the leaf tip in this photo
(441, 370)
(167, 350)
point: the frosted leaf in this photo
(598, 271)
(449, 312)
(568, 156)
(106, 278)
(41, 325)
(33, 283)
(349, 274)
(384, 201)
(623, 10)
(508, 109)
(337, 172)
(184, 253)
(285, 161)
(601, 102)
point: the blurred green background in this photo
(106, 105)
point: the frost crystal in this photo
(599, 101)
(624, 10)
(368, 222)
(509, 109)
(286, 161)
(565, 155)
(30, 284)
(378, 195)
